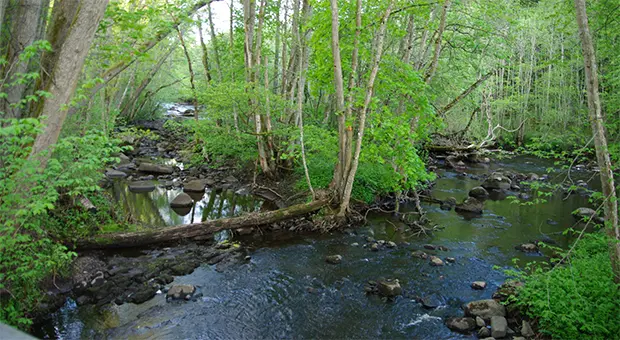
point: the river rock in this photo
(585, 214)
(480, 322)
(528, 248)
(484, 333)
(471, 204)
(143, 295)
(430, 246)
(478, 285)
(389, 288)
(141, 186)
(479, 193)
(431, 301)
(462, 325)
(497, 181)
(499, 326)
(436, 261)
(196, 185)
(180, 291)
(450, 259)
(390, 244)
(485, 309)
(533, 177)
(155, 169)
(183, 200)
(115, 174)
(420, 254)
(448, 203)
(333, 259)
(374, 247)
(526, 329)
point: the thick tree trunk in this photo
(22, 36)
(64, 75)
(200, 230)
(600, 142)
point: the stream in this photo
(287, 290)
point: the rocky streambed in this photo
(381, 280)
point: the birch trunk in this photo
(600, 142)
(442, 27)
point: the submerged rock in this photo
(183, 200)
(333, 259)
(197, 185)
(462, 325)
(431, 301)
(528, 248)
(485, 309)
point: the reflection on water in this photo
(288, 291)
(153, 208)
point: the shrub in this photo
(578, 299)
(31, 247)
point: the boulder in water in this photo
(389, 288)
(471, 205)
(183, 200)
(141, 186)
(479, 193)
(333, 259)
(497, 181)
(180, 292)
(197, 185)
(528, 247)
(155, 169)
(115, 174)
(462, 325)
(485, 309)
(586, 214)
(436, 261)
(478, 285)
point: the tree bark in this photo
(200, 230)
(339, 87)
(600, 142)
(73, 49)
(22, 36)
(442, 27)
(465, 93)
(191, 72)
(205, 52)
(216, 52)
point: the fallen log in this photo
(200, 230)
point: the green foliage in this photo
(575, 300)
(30, 247)
(221, 144)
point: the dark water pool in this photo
(287, 290)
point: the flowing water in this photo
(287, 290)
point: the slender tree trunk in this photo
(338, 180)
(600, 142)
(64, 75)
(465, 93)
(216, 52)
(205, 52)
(442, 27)
(191, 72)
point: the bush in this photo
(31, 247)
(221, 144)
(577, 300)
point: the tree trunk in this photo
(442, 27)
(205, 52)
(64, 75)
(350, 176)
(191, 72)
(600, 142)
(22, 36)
(338, 180)
(200, 230)
(216, 52)
(465, 93)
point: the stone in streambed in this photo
(333, 259)
(471, 205)
(436, 261)
(480, 322)
(141, 186)
(155, 169)
(389, 288)
(462, 325)
(115, 174)
(499, 326)
(528, 247)
(478, 285)
(177, 292)
(183, 200)
(526, 329)
(197, 185)
(497, 181)
(479, 193)
(485, 309)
